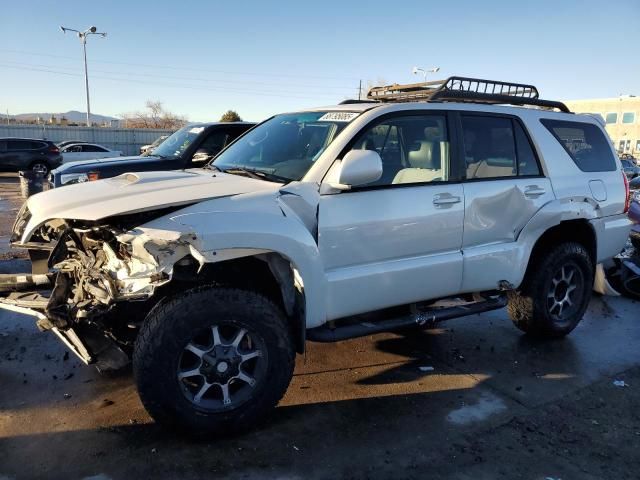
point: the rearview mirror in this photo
(201, 155)
(359, 167)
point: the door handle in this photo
(443, 199)
(534, 191)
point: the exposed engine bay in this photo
(93, 268)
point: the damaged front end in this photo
(100, 281)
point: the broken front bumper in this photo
(35, 295)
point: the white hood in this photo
(136, 192)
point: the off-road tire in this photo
(171, 325)
(528, 307)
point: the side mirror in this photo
(201, 155)
(359, 167)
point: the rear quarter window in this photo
(585, 143)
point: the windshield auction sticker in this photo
(338, 116)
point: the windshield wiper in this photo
(211, 166)
(257, 174)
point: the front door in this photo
(397, 240)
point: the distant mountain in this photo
(73, 116)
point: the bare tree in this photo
(155, 116)
(230, 116)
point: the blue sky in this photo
(264, 57)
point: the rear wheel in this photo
(555, 293)
(213, 360)
(40, 168)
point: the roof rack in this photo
(465, 89)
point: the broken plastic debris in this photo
(426, 369)
(296, 448)
(67, 395)
(620, 383)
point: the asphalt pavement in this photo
(474, 399)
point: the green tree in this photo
(230, 116)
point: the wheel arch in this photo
(559, 221)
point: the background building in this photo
(622, 116)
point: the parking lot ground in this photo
(474, 399)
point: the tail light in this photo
(92, 176)
(627, 194)
(54, 149)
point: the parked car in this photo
(69, 142)
(629, 157)
(325, 224)
(631, 170)
(86, 151)
(191, 146)
(38, 156)
(149, 148)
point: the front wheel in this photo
(555, 293)
(212, 361)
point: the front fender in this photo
(220, 235)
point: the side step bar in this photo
(421, 318)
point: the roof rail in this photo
(351, 101)
(465, 89)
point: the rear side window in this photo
(93, 148)
(21, 145)
(496, 147)
(585, 143)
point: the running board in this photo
(421, 319)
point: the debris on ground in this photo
(620, 383)
(106, 403)
(67, 396)
(426, 369)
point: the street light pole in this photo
(424, 72)
(83, 38)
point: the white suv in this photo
(211, 279)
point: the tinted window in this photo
(214, 142)
(585, 143)
(611, 118)
(22, 145)
(527, 160)
(93, 148)
(628, 117)
(489, 147)
(414, 149)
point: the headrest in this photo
(427, 155)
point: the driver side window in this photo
(214, 143)
(413, 149)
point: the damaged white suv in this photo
(210, 280)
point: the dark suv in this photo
(39, 156)
(190, 147)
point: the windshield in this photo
(285, 146)
(176, 144)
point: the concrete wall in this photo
(127, 140)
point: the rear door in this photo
(397, 240)
(503, 189)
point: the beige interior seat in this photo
(424, 165)
(484, 169)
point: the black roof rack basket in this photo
(465, 89)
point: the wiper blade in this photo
(211, 166)
(257, 174)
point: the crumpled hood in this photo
(136, 192)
